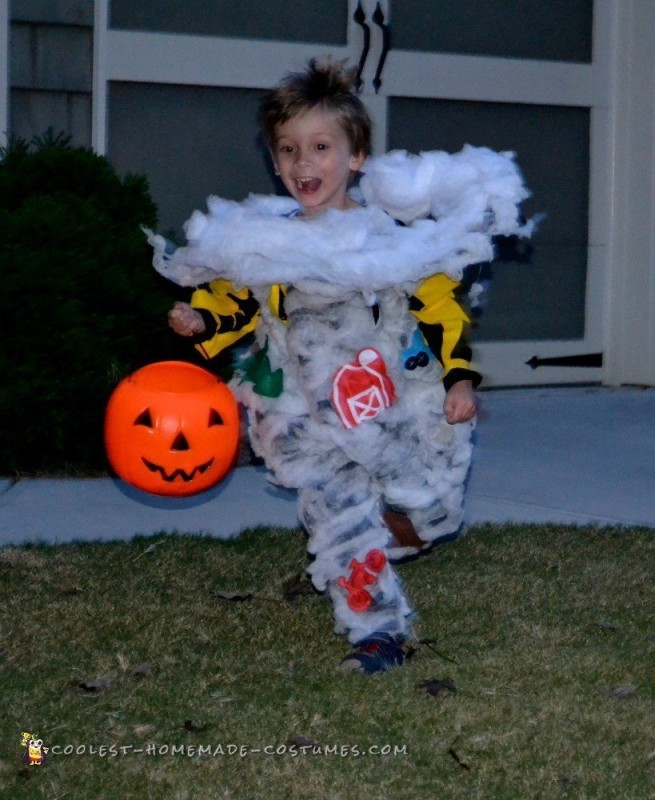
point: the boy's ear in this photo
(357, 161)
(275, 167)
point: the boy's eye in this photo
(286, 148)
(321, 146)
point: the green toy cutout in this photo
(257, 368)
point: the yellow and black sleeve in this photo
(443, 322)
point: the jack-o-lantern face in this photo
(172, 428)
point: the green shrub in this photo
(81, 305)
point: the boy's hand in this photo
(460, 405)
(185, 320)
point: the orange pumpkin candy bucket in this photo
(172, 428)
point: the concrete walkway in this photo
(563, 455)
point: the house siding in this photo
(51, 68)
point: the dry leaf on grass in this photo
(435, 687)
(234, 595)
(607, 626)
(301, 741)
(142, 670)
(620, 692)
(568, 780)
(142, 730)
(192, 727)
(296, 587)
(219, 697)
(149, 549)
(243, 595)
(94, 685)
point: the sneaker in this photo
(375, 653)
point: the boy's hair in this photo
(327, 86)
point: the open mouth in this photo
(178, 473)
(308, 184)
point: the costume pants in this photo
(345, 526)
(406, 456)
(340, 503)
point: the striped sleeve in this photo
(442, 322)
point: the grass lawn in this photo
(537, 682)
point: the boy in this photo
(361, 418)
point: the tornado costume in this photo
(352, 413)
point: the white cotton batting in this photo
(334, 267)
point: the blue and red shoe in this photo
(376, 653)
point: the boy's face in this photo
(313, 157)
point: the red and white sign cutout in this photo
(362, 388)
